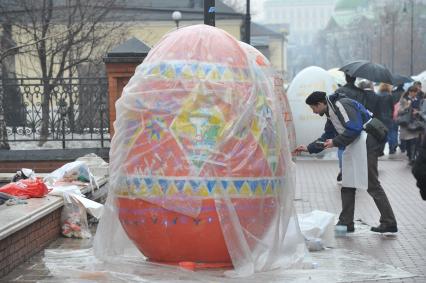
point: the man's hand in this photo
(328, 143)
(301, 148)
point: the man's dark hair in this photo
(349, 79)
(316, 97)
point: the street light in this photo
(177, 16)
(247, 23)
(405, 10)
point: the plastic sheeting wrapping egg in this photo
(260, 61)
(200, 166)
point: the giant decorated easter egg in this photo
(308, 125)
(199, 155)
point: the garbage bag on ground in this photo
(23, 173)
(97, 166)
(76, 172)
(318, 228)
(26, 188)
(74, 218)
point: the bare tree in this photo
(237, 5)
(67, 33)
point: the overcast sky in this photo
(256, 7)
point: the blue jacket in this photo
(353, 116)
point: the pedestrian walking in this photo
(345, 128)
(386, 109)
(409, 106)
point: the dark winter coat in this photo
(419, 169)
(366, 97)
(353, 116)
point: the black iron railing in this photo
(71, 109)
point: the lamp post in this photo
(209, 12)
(411, 34)
(177, 16)
(247, 23)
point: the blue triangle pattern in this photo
(253, 185)
(225, 184)
(221, 69)
(195, 184)
(164, 184)
(194, 67)
(238, 185)
(207, 68)
(149, 183)
(163, 68)
(264, 183)
(178, 68)
(136, 182)
(180, 184)
(210, 185)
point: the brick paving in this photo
(317, 189)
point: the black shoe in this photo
(384, 229)
(349, 228)
(339, 177)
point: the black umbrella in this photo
(368, 70)
(399, 80)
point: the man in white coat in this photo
(345, 129)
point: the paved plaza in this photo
(317, 190)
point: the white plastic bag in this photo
(92, 207)
(74, 218)
(76, 172)
(317, 227)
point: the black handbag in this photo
(404, 118)
(416, 125)
(377, 129)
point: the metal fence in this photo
(76, 109)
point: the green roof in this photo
(350, 4)
(299, 2)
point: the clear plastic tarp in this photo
(200, 163)
(331, 265)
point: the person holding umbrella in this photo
(366, 98)
(345, 128)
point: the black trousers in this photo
(375, 190)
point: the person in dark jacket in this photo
(344, 126)
(351, 91)
(420, 93)
(397, 93)
(386, 106)
(419, 168)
